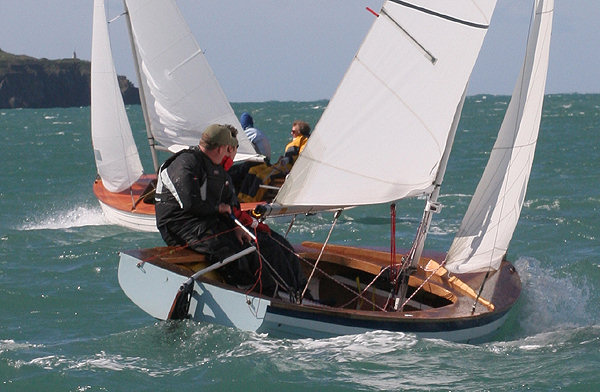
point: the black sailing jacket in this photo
(190, 188)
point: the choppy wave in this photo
(552, 301)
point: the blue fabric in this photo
(246, 120)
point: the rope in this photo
(259, 271)
(487, 275)
(325, 274)
(360, 295)
(335, 219)
(423, 284)
(290, 226)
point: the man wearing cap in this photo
(194, 196)
(194, 204)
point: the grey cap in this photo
(219, 135)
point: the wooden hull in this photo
(128, 208)
(443, 308)
(134, 208)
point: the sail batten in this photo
(382, 136)
(492, 216)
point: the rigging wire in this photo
(333, 279)
(290, 226)
(393, 271)
(335, 219)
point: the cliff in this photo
(27, 82)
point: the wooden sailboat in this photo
(412, 75)
(180, 97)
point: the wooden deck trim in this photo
(354, 256)
(130, 199)
(126, 200)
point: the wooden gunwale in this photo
(127, 200)
(130, 200)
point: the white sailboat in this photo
(411, 71)
(180, 97)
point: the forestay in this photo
(492, 216)
(181, 90)
(116, 155)
(384, 131)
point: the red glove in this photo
(263, 227)
(247, 220)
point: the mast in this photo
(151, 141)
(433, 206)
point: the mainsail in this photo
(384, 131)
(116, 155)
(181, 91)
(492, 216)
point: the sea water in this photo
(65, 324)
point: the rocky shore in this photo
(28, 82)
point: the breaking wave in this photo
(56, 220)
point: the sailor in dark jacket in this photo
(194, 204)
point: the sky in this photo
(262, 50)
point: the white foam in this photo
(346, 348)
(11, 345)
(77, 217)
(546, 297)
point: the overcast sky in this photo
(264, 50)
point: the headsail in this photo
(492, 216)
(182, 92)
(116, 155)
(383, 134)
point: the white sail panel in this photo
(186, 95)
(383, 133)
(116, 155)
(156, 128)
(492, 216)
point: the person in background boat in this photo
(300, 133)
(194, 205)
(261, 145)
(256, 136)
(250, 190)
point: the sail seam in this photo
(195, 54)
(440, 15)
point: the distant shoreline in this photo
(29, 82)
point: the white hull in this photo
(153, 289)
(131, 220)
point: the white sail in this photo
(116, 155)
(383, 134)
(492, 216)
(182, 91)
